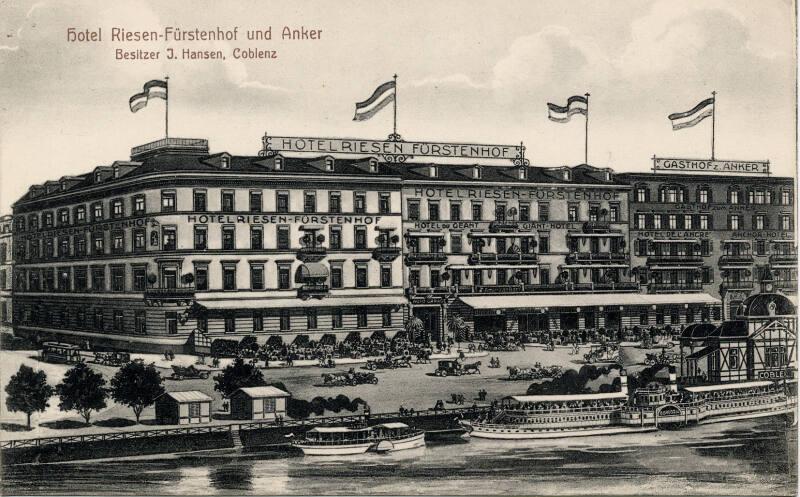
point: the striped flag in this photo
(155, 88)
(381, 97)
(689, 118)
(575, 105)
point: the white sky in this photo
(468, 71)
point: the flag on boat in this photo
(155, 88)
(575, 105)
(381, 97)
(689, 118)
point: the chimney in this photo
(673, 380)
(623, 382)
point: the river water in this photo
(754, 457)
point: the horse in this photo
(473, 367)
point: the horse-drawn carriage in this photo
(112, 358)
(350, 378)
(537, 372)
(663, 358)
(188, 373)
(607, 352)
(389, 363)
(455, 368)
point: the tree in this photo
(238, 375)
(28, 392)
(82, 390)
(415, 329)
(457, 327)
(136, 386)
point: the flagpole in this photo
(586, 133)
(713, 120)
(394, 127)
(166, 112)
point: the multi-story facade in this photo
(6, 272)
(722, 235)
(177, 246)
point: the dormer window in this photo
(476, 172)
(522, 173)
(98, 177)
(278, 163)
(373, 165)
(607, 175)
(329, 164)
(225, 163)
(433, 171)
(116, 172)
(565, 175)
(63, 186)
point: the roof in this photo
(585, 300)
(702, 352)
(337, 429)
(392, 426)
(279, 303)
(728, 386)
(767, 304)
(567, 398)
(261, 392)
(733, 329)
(187, 396)
(699, 331)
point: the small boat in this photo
(337, 441)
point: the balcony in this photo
(729, 285)
(175, 295)
(311, 254)
(625, 286)
(729, 259)
(520, 258)
(502, 225)
(694, 286)
(596, 227)
(413, 258)
(788, 258)
(385, 254)
(684, 259)
(788, 286)
(316, 291)
(600, 257)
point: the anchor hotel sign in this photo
(391, 149)
(711, 166)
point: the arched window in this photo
(671, 194)
(734, 195)
(642, 193)
(704, 194)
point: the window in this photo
(687, 221)
(413, 277)
(257, 276)
(386, 317)
(97, 211)
(309, 202)
(200, 201)
(230, 323)
(384, 203)
(119, 320)
(63, 279)
(672, 219)
(360, 237)
(117, 278)
(256, 237)
(641, 220)
(786, 197)
(63, 248)
(140, 323)
(386, 276)
(98, 279)
(759, 221)
(63, 217)
(613, 213)
(500, 211)
(285, 320)
(642, 194)
(201, 237)
(544, 212)
(704, 222)
(413, 209)
(435, 278)
(169, 236)
(228, 237)
(283, 237)
(229, 277)
(139, 240)
(117, 209)
(704, 195)
(98, 243)
(81, 283)
(258, 321)
(335, 237)
(336, 318)
(524, 212)
(282, 202)
(201, 277)
(572, 213)
(255, 202)
(733, 197)
(284, 282)
(643, 317)
(361, 318)
(334, 202)
(139, 279)
(594, 212)
(433, 210)
(97, 320)
(671, 194)
(168, 201)
(336, 277)
(80, 214)
(361, 276)
(760, 247)
(117, 242)
(455, 243)
(311, 319)
(786, 222)
(477, 211)
(228, 201)
(544, 243)
(734, 222)
(48, 219)
(775, 357)
(360, 202)
(733, 358)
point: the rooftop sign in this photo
(711, 166)
(392, 150)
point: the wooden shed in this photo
(258, 403)
(183, 408)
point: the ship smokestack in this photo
(673, 380)
(623, 381)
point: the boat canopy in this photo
(728, 386)
(336, 429)
(569, 398)
(392, 426)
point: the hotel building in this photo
(722, 235)
(6, 272)
(178, 246)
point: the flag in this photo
(575, 105)
(381, 97)
(689, 118)
(152, 89)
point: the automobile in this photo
(448, 368)
(112, 358)
(187, 373)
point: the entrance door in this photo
(431, 319)
(613, 320)
(169, 278)
(569, 321)
(490, 324)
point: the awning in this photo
(747, 242)
(328, 339)
(670, 240)
(475, 234)
(594, 235)
(594, 265)
(353, 337)
(569, 398)
(684, 268)
(275, 341)
(312, 270)
(491, 266)
(424, 234)
(585, 300)
(378, 335)
(300, 340)
(282, 303)
(400, 335)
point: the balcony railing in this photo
(426, 257)
(169, 295)
(728, 285)
(503, 225)
(736, 259)
(490, 258)
(694, 286)
(674, 259)
(316, 291)
(385, 254)
(192, 143)
(790, 258)
(627, 286)
(596, 227)
(311, 254)
(575, 257)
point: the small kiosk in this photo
(258, 403)
(183, 408)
